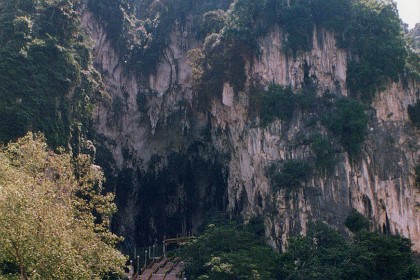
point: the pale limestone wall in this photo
(380, 185)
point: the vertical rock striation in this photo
(183, 162)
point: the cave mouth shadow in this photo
(175, 196)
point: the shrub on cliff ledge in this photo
(276, 103)
(298, 28)
(348, 122)
(324, 153)
(356, 222)
(375, 36)
(291, 175)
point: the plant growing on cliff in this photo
(376, 39)
(276, 103)
(290, 175)
(298, 28)
(356, 222)
(47, 80)
(414, 113)
(54, 222)
(348, 122)
(324, 153)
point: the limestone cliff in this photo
(176, 162)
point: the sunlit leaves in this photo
(54, 222)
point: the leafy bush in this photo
(230, 251)
(324, 254)
(290, 175)
(211, 22)
(276, 103)
(374, 35)
(348, 122)
(356, 222)
(244, 17)
(362, 79)
(299, 27)
(414, 113)
(279, 102)
(306, 100)
(391, 256)
(208, 70)
(331, 14)
(324, 153)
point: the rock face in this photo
(175, 163)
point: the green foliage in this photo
(58, 20)
(369, 30)
(413, 64)
(276, 103)
(218, 62)
(298, 28)
(356, 222)
(279, 102)
(331, 14)
(324, 153)
(391, 255)
(345, 118)
(140, 30)
(306, 100)
(240, 27)
(211, 22)
(290, 175)
(375, 37)
(417, 171)
(348, 122)
(414, 113)
(230, 251)
(54, 221)
(45, 57)
(111, 13)
(325, 254)
(361, 78)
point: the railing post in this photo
(131, 273)
(164, 249)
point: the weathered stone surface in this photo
(380, 184)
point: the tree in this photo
(47, 79)
(325, 254)
(356, 222)
(392, 255)
(231, 251)
(54, 222)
